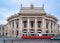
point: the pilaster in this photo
(14, 28)
(21, 26)
(43, 25)
(35, 24)
(49, 27)
(11, 29)
(28, 25)
(8, 29)
(1, 30)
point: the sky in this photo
(11, 7)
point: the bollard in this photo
(4, 41)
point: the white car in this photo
(56, 38)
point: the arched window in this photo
(24, 30)
(32, 30)
(39, 30)
(47, 31)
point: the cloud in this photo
(9, 7)
(3, 22)
(4, 14)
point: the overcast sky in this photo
(10, 7)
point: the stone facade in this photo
(32, 21)
(3, 31)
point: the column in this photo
(11, 28)
(59, 30)
(4, 30)
(1, 30)
(28, 25)
(49, 27)
(8, 29)
(53, 27)
(56, 27)
(35, 25)
(43, 25)
(20, 26)
(14, 28)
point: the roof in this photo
(32, 10)
(15, 15)
(49, 15)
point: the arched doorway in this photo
(32, 32)
(39, 32)
(17, 33)
(24, 32)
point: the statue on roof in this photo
(32, 6)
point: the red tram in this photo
(37, 37)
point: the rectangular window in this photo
(32, 24)
(2, 27)
(6, 34)
(25, 24)
(47, 25)
(51, 25)
(13, 25)
(17, 24)
(2, 34)
(39, 24)
(13, 32)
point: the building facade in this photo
(3, 30)
(32, 21)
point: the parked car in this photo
(55, 38)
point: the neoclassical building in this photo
(32, 21)
(3, 30)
